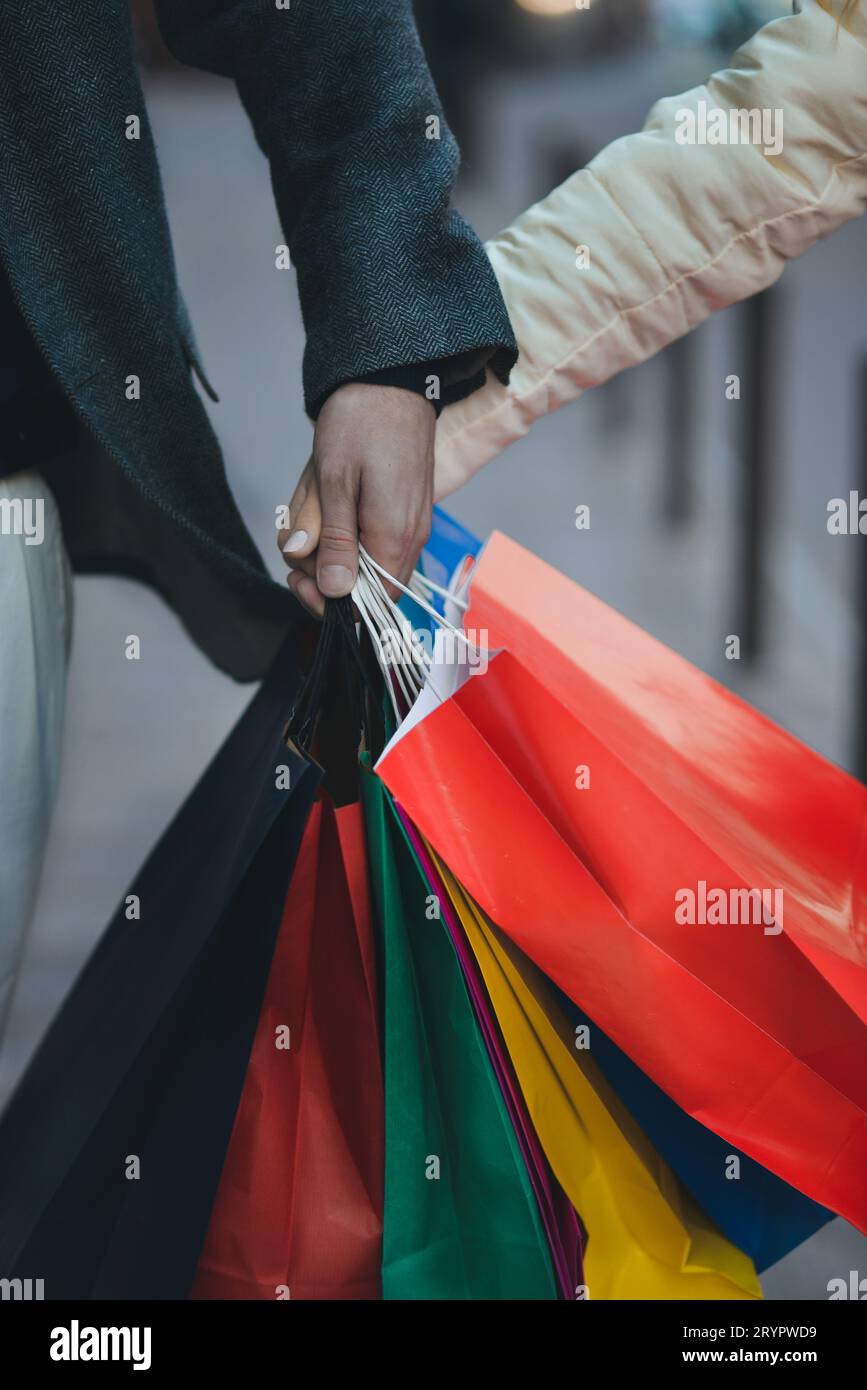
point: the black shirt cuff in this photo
(416, 378)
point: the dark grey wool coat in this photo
(339, 95)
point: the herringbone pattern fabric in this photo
(338, 92)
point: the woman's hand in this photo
(370, 478)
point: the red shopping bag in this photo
(588, 783)
(298, 1213)
(774, 810)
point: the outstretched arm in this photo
(674, 230)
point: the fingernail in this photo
(335, 580)
(295, 542)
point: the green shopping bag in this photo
(460, 1219)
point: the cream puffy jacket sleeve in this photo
(675, 231)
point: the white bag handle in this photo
(403, 660)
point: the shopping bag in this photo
(645, 1238)
(559, 1219)
(565, 787)
(460, 1218)
(447, 545)
(760, 1214)
(450, 548)
(776, 814)
(112, 1144)
(298, 1213)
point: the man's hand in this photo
(370, 478)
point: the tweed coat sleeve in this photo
(362, 165)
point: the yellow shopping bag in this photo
(647, 1239)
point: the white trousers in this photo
(35, 632)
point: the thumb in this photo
(303, 539)
(337, 557)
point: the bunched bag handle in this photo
(342, 681)
(404, 661)
(338, 672)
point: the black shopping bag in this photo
(112, 1145)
